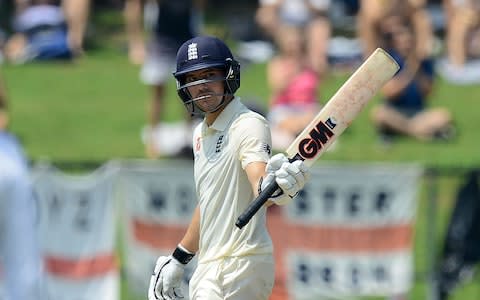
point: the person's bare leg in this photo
(370, 12)
(154, 113)
(424, 33)
(457, 35)
(76, 14)
(266, 17)
(474, 45)
(136, 46)
(318, 35)
(429, 122)
(388, 118)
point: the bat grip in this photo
(252, 209)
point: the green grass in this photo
(93, 110)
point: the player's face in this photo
(209, 91)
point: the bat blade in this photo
(333, 119)
(343, 107)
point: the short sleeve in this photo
(251, 135)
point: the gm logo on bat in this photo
(309, 147)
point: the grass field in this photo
(93, 110)
(64, 111)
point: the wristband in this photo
(182, 255)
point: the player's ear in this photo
(232, 75)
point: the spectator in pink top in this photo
(293, 86)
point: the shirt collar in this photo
(224, 118)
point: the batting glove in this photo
(290, 177)
(166, 279)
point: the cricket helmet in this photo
(204, 52)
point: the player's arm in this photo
(168, 273)
(255, 172)
(191, 238)
(290, 177)
(253, 137)
(337, 114)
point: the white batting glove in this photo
(166, 279)
(290, 177)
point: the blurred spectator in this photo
(405, 108)
(372, 12)
(133, 12)
(462, 62)
(40, 33)
(19, 248)
(175, 22)
(310, 14)
(293, 85)
(463, 30)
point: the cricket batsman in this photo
(232, 164)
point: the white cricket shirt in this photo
(238, 137)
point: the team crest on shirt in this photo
(266, 148)
(218, 146)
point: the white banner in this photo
(359, 195)
(158, 202)
(349, 233)
(77, 230)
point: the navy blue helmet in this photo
(204, 52)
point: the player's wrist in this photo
(182, 255)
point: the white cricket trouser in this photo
(234, 278)
(21, 264)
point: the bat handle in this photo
(252, 209)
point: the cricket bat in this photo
(333, 119)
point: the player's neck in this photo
(212, 116)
